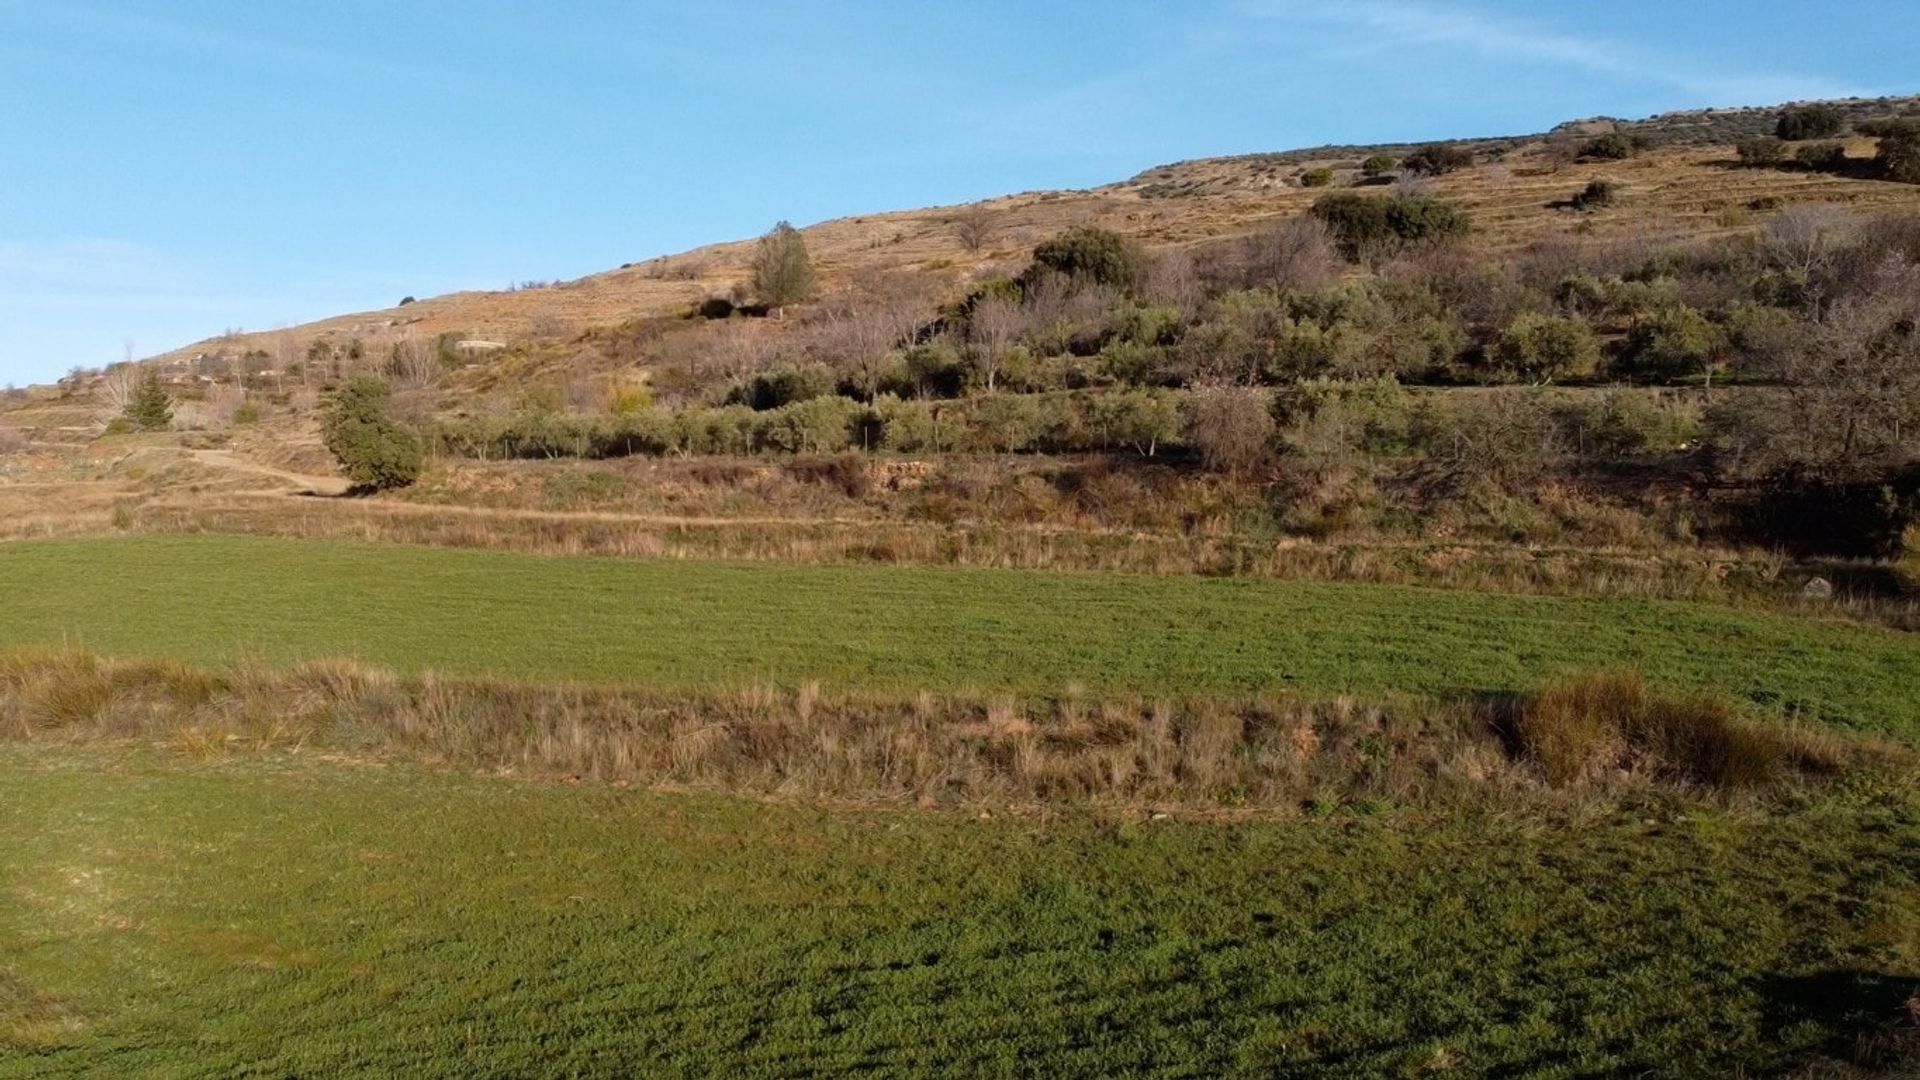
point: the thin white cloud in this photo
(1400, 22)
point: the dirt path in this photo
(317, 485)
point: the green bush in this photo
(376, 451)
(783, 386)
(1821, 157)
(1140, 420)
(1677, 342)
(1761, 152)
(1597, 193)
(1379, 165)
(246, 413)
(1909, 565)
(1547, 347)
(1613, 146)
(1088, 253)
(1418, 219)
(149, 408)
(1628, 422)
(1899, 155)
(782, 271)
(1438, 159)
(1320, 177)
(821, 425)
(1366, 223)
(1810, 122)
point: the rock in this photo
(1818, 589)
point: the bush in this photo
(1899, 156)
(246, 413)
(1316, 177)
(1088, 254)
(1909, 566)
(1597, 193)
(1419, 219)
(1141, 420)
(1821, 157)
(1438, 159)
(1379, 165)
(1588, 728)
(149, 408)
(782, 271)
(1613, 146)
(1762, 152)
(1677, 342)
(820, 425)
(1810, 122)
(1231, 426)
(628, 398)
(374, 449)
(1541, 347)
(1364, 224)
(782, 387)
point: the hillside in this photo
(1687, 187)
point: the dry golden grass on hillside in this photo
(1668, 193)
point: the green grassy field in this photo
(265, 915)
(700, 625)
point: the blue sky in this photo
(171, 170)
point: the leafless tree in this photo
(411, 363)
(1296, 255)
(992, 328)
(1231, 426)
(1807, 238)
(883, 311)
(1171, 278)
(974, 226)
(740, 349)
(119, 384)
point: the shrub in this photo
(148, 407)
(1231, 426)
(1899, 156)
(782, 271)
(1379, 165)
(1613, 146)
(1821, 156)
(937, 371)
(1761, 152)
(1810, 122)
(245, 413)
(1586, 728)
(1909, 566)
(1418, 218)
(1363, 224)
(1438, 159)
(376, 451)
(1597, 193)
(1548, 347)
(1087, 253)
(1320, 177)
(782, 387)
(1005, 423)
(1140, 420)
(628, 398)
(820, 425)
(1675, 343)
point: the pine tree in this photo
(148, 407)
(376, 450)
(782, 272)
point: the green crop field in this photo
(700, 625)
(268, 915)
